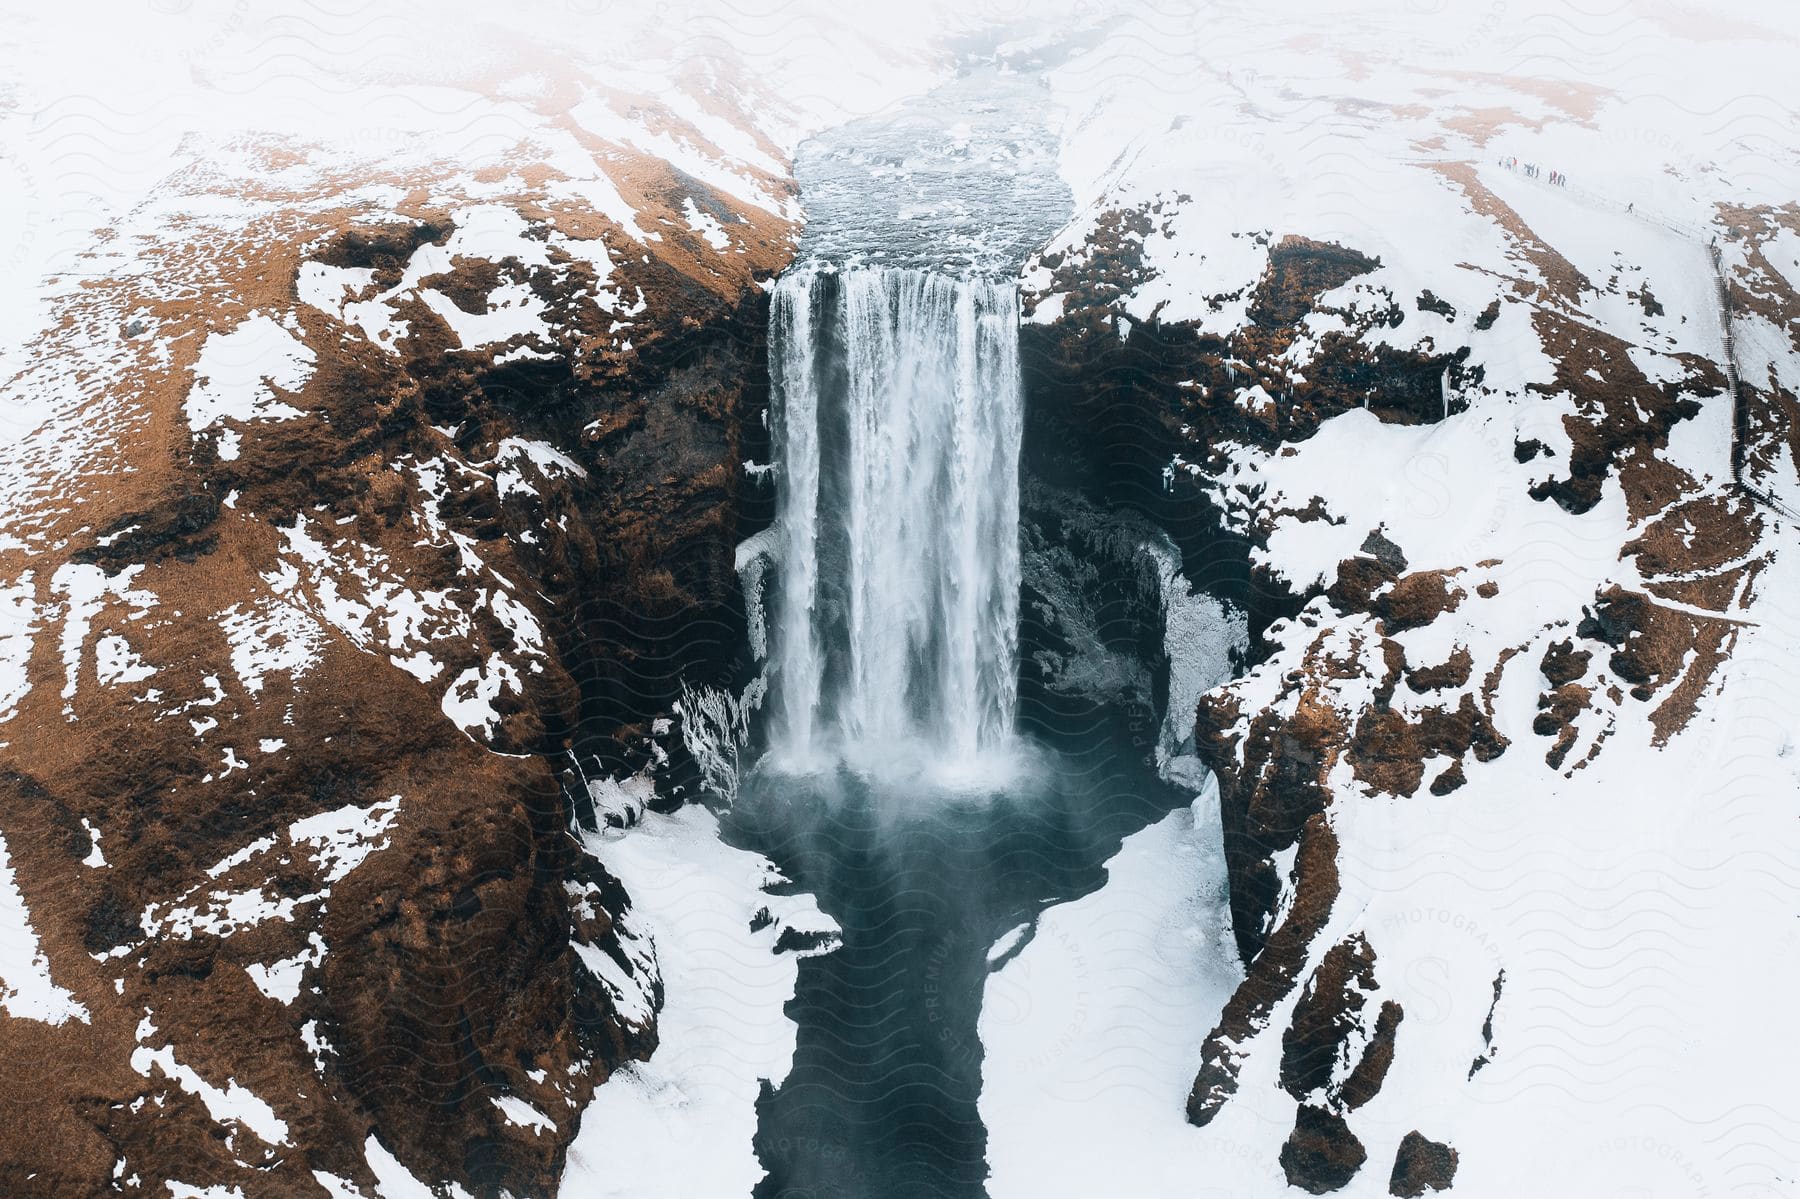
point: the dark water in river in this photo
(882, 1097)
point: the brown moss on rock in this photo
(1328, 1017)
(1659, 648)
(1403, 601)
(1622, 420)
(1450, 779)
(1359, 580)
(1321, 1154)
(1563, 663)
(1453, 672)
(442, 974)
(1265, 805)
(1417, 599)
(463, 972)
(1421, 1165)
(383, 247)
(1300, 271)
(1272, 974)
(1389, 750)
(1365, 1078)
(181, 528)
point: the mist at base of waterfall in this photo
(916, 766)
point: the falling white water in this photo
(898, 418)
(793, 378)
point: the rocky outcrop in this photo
(1272, 973)
(1764, 306)
(1332, 1052)
(1334, 1057)
(1321, 1155)
(1421, 1166)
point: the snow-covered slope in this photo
(1505, 793)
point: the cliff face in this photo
(1402, 672)
(358, 518)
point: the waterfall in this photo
(897, 422)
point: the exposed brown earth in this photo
(1421, 1166)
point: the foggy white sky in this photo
(96, 98)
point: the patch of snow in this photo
(1201, 636)
(1008, 942)
(629, 988)
(18, 613)
(521, 353)
(237, 373)
(327, 288)
(316, 1044)
(469, 703)
(232, 1104)
(342, 838)
(116, 662)
(722, 1029)
(512, 310)
(705, 224)
(621, 802)
(395, 1181)
(489, 232)
(218, 914)
(94, 857)
(281, 980)
(518, 1112)
(27, 991)
(1091, 1035)
(352, 587)
(231, 862)
(338, 1188)
(549, 461)
(85, 589)
(270, 637)
(183, 1190)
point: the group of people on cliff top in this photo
(1534, 171)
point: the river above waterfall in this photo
(897, 416)
(961, 181)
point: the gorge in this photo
(1180, 599)
(903, 785)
